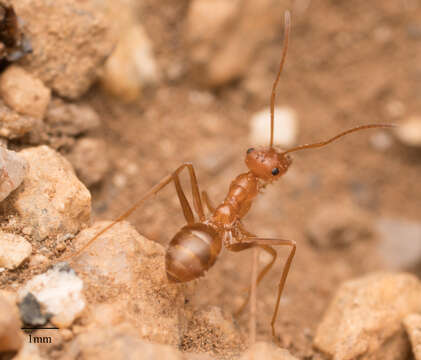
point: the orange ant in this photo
(195, 247)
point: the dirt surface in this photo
(349, 63)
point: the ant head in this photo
(268, 164)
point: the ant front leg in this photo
(187, 211)
(260, 242)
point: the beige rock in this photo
(364, 320)
(117, 343)
(70, 119)
(51, 199)
(14, 250)
(12, 171)
(23, 92)
(132, 66)
(29, 352)
(218, 49)
(14, 125)
(412, 325)
(336, 225)
(263, 350)
(70, 40)
(127, 271)
(212, 331)
(409, 131)
(11, 338)
(90, 160)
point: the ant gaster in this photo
(195, 247)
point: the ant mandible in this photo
(196, 246)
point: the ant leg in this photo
(188, 214)
(207, 201)
(273, 242)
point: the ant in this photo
(195, 247)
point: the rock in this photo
(13, 169)
(14, 250)
(263, 350)
(23, 92)
(412, 325)
(59, 291)
(218, 52)
(51, 199)
(131, 66)
(89, 159)
(127, 271)
(409, 131)
(67, 54)
(286, 127)
(336, 225)
(399, 244)
(30, 311)
(212, 331)
(70, 119)
(14, 125)
(381, 141)
(10, 335)
(364, 320)
(28, 352)
(117, 343)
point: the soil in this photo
(338, 75)
(349, 63)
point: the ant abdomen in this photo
(191, 252)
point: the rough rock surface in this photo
(127, 271)
(59, 291)
(336, 225)
(67, 53)
(10, 334)
(412, 325)
(14, 125)
(51, 199)
(117, 343)
(269, 351)
(90, 160)
(70, 119)
(12, 171)
(364, 320)
(14, 250)
(212, 331)
(217, 61)
(23, 92)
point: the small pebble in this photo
(30, 311)
(381, 141)
(59, 291)
(399, 245)
(131, 66)
(23, 92)
(13, 168)
(14, 250)
(286, 127)
(409, 131)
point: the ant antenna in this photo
(323, 143)
(281, 65)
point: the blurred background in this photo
(189, 80)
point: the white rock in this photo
(12, 169)
(59, 290)
(52, 200)
(399, 244)
(286, 127)
(24, 93)
(409, 131)
(131, 66)
(14, 250)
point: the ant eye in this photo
(250, 150)
(275, 171)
